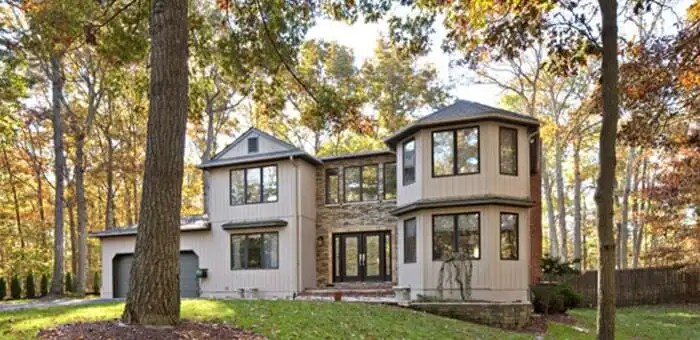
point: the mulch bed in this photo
(538, 322)
(117, 330)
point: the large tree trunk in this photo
(154, 288)
(80, 273)
(624, 227)
(553, 241)
(606, 174)
(561, 198)
(72, 238)
(577, 203)
(59, 161)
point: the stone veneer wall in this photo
(350, 217)
(513, 315)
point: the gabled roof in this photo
(288, 150)
(460, 111)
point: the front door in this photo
(362, 256)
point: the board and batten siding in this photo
(265, 145)
(493, 279)
(488, 182)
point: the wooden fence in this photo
(644, 286)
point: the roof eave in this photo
(461, 202)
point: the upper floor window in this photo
(409, 241)
(389, 181)
(508, 151)
(332, 186)
(509, 236)
(360, 183)
(455, 152)
(255, 251)
(252, 144)
(409, 162)
(253, 185)
(456, 233)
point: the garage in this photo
(189, 284)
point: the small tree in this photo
(15, 288)
(44, 285)
(96, 283)
(29, 286)
(3, 288)
(69, 283)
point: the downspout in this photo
(298, 220)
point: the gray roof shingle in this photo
(460, 110)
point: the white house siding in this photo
(410, 274)
(412, 192)
(493, 279)
(265, 145)
(488, 181)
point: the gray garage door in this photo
(189, 263)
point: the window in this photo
(456, 233)
(361, 183)
(508, 151)
(509, 236)
(253, 185)
(389, 181)
(455, 152)
(252, 144)
(409, 162)
(254, 251)
(409, 241)
(353, 184)
(332, 186)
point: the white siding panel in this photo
(265, 145)
(410, 193)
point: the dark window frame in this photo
(245, 185)
(362, 183)
(455, 233)
(262, 251)
(500, 161)
(517, 237)
(455, 154)
(415, 240)
(257, 144)
(384, 184)
(403, 162)
(328, 183)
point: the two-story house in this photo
(462, 179)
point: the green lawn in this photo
(276, 319)
(642, 322)
(296, 319)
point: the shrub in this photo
(554, 269)
(15, 288)
(96, 283)
(3, 289)
(554, 298)
(44, 285)
(30, 289)
(572, 298)
(69, 283)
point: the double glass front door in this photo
(362, 257)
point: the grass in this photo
(297, 319)
(276, 319)
(641, 322)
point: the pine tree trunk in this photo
(209, 110)
(561, 199)
(59, 162)
(639, 223)
(553, 241)
(73, 239)
(606, 174)
(109, 204)
(79, 169)
(577, 203)
(624, 226)
(154, 292)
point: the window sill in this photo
(251, 269)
